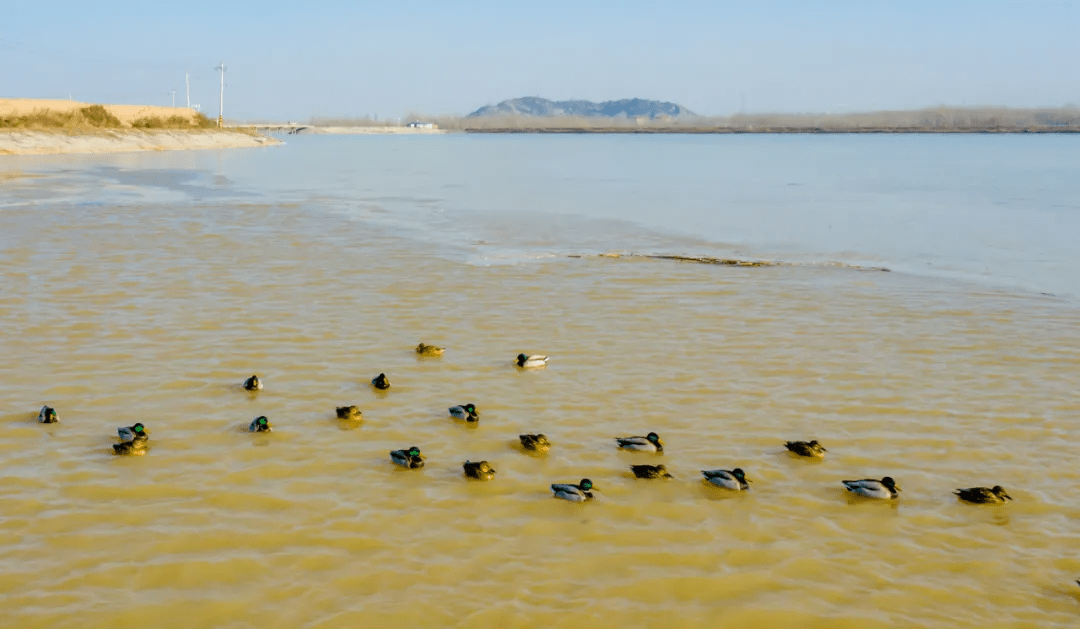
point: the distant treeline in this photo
(935, 120)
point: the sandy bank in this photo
(369, 130)
(124, 140)
(127, 114)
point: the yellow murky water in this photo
(116, 315)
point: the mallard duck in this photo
(649, 443)
(253, 384)
(526, 362)
(349, 412)
(884, 489)
(982, 495)
(574, 493)
(467, 412)
(132, 433)
(480, 470)
(410, 458)
(260, 424)
(137, 448)
(806, 448)
(381, 382)
(728, 479)
(536, 443)
(47, 415)
(650, 471)
(429, 350)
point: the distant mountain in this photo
(629, 107)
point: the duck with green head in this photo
(411, 458)
(530, 361)
(260, 424)
(47, 415)
(466, 412)
(136, 432)
(728, 479)
(649, 443)
(884, 489)
(574, 493)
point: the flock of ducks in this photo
(134, 439)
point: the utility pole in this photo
(187, 88)
(221, 102)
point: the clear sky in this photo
(293, 60)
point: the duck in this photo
(806, 448)
(132, 433)
(47, 415)
(526, 362)
(429, 350)
(467, 412)
(574, 493)
(649, 443)
(253, 384)
(410, 458)
(650, 471)
(260, 424)
(136, 448)
(536, 443)
(349, 412)
(381, 382)
(883, 489)
(982, 495)
(480, 470)
(728, 479)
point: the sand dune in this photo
(126, 113)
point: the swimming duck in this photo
(381, 382)
(349, 412)
(526, 362)
(649, 443)
(467, 412)
(137, 448)
(47, 415)
(253, 384)
(480, 470)
(536, 443)
(806, 448)
(260, 424)
(132, 433)
(574, 493)
(650, 471)
(410, 458)
(884, 489)
(728, 479)
(982, 495)
(429, 350)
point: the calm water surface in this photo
(146, 287)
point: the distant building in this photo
(416, 124)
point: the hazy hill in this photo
(629, 107)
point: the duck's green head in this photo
(261, 421)
(414, 451)
(739, 474)
(890, 483)
(586, 485)
(470, 408)
(653, 438)
(522, 358)
(138, 429)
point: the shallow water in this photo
(146, 288)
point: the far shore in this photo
(741, 130)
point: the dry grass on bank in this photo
(75, 117)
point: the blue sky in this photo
(293, 60)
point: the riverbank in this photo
(125, 140)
